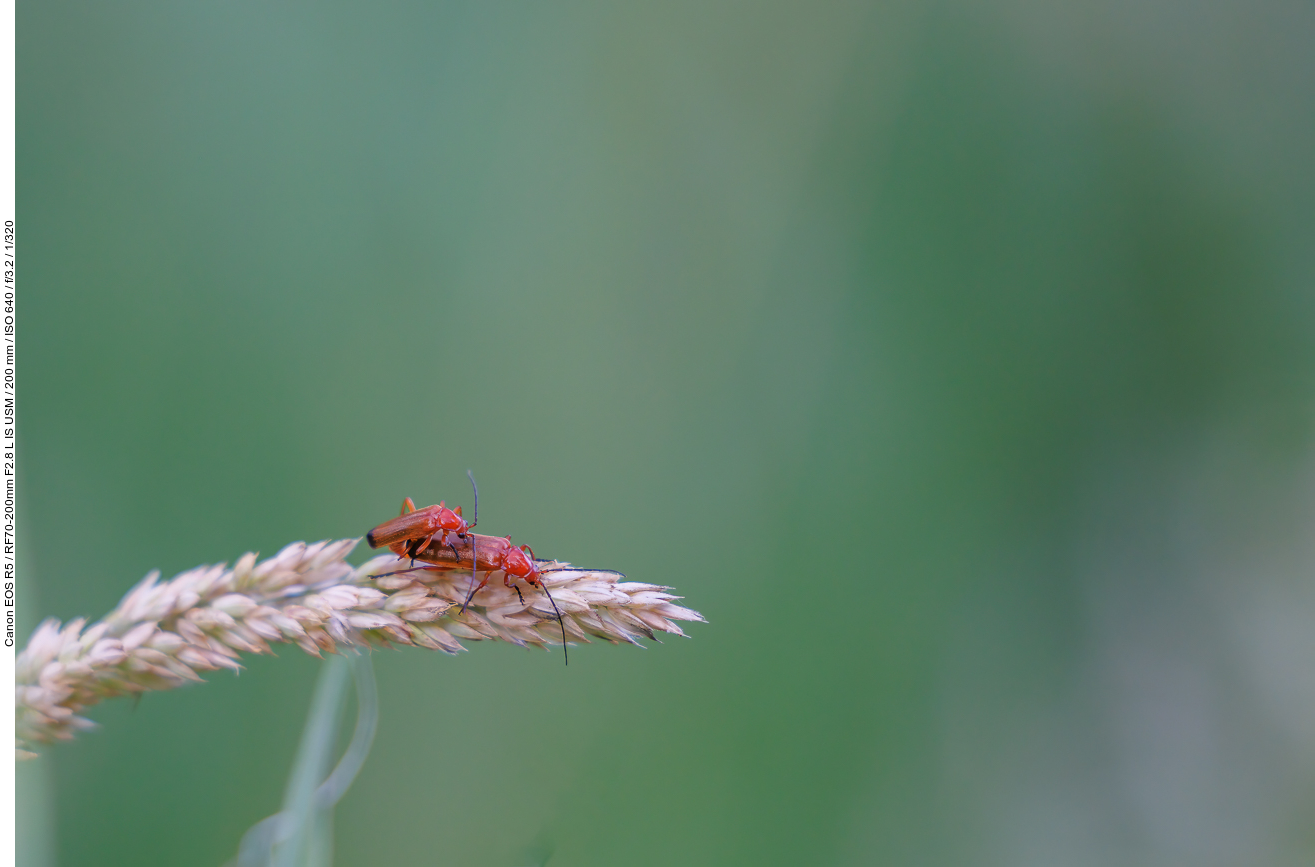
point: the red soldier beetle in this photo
(519, 562)
(418, 527)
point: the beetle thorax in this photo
(517, 563)
(450, 520)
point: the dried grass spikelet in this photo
(163, 633)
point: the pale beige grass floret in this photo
(163, 633)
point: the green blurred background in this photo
(954, 359)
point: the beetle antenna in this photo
(404, 571)
(581, 569)
(474, 567)
(560, 622)
(471, 476)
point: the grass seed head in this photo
(163, 633)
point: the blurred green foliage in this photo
(924, 347)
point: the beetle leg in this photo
(443, 540)
(508, 582)
(474, 589)
(418, 545)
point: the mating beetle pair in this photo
(411, 533)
